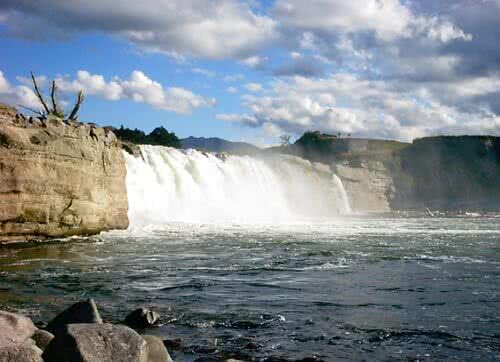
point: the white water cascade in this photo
(170, 185)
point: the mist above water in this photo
(170, 185)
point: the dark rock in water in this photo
(252, 346)
(156, 349)
(96, 342)
(42, 338)
(81, 312)
(15, 329)
(141, 318)
(174, 343)
(25, 352)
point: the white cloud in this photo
(232, 90)
(388, 19)
(368, 108)
(205, 72)
(234, 77)
(253, 87)
(238, 118)
(138, 87)
(17, 95)
(254, 61)
(180, 28)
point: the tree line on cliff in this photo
(159, 137)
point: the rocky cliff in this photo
(58, 178)
(368, 185)
(444, 172)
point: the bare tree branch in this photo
(76, 108)
(39, 95)
(56, 110)
(31, 109)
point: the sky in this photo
(254, 70)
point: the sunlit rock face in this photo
(58, 178)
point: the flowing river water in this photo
(330, 287)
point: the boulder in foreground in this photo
(15, 329)
(81, 312)
(25, 352)
(96, 342)
(156, 349)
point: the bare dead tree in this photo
(285, 139)
(55, 110)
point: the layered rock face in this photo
(58, 178)
(369, 186)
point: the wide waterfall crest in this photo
(171, 185)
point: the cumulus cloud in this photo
(387, 19)
(232, 90)
(17, 95)
(254, 61)
(233, 77)
(138, 88)
(253, 87)
(201, 28)
(347, 104)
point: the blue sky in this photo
(255, 70)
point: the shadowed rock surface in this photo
(58, 178)
(81, 312)
(42, 338)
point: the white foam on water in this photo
(169, 185)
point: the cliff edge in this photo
(58, 178)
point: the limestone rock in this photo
(58, 178)
(156, 349)
(81, 312)
(141, 318)
(96, 343)
(15, 329)
(42, 338)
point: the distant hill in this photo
(218, 145)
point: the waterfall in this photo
(171, 185)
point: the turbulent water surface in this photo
(259, 259)
(356, 288)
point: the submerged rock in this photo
(96, 342)
(81, 312)
(156, 349)
(15, 329)
(173, 343)
(42, 338)
(142, 318)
